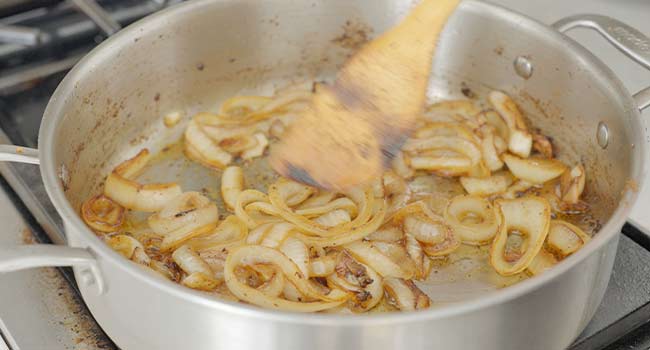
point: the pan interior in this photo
(194, 62)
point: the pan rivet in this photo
(523, 67)
(602, 135)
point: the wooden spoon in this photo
(354, 127)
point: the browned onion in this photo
(102, 214)
(122, 189)
(186, 216)
(530, 217)
(405, 295)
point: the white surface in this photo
(635, 13)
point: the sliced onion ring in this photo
(487, 186)
(530, 216)
(542, 262)
(322, 266)
(422, 263)
(258, 150)
(309, 227)
(405, 295)
(186, 216)
(232, 184)
(248, 255)
(534, 170)
(572, 184)
(202, 149)
(387, 265)
(230, 232)
(520, 141)
(354, 234)
(474, 233)
(102, 214)
(339, 203)
(199, 274)
(565, 239)
(120, 187)
(124, 244)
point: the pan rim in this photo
(75, 226)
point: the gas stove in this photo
(40, 40)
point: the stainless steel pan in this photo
(195, 55)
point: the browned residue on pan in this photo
(355, 34)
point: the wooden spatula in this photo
(354, 127)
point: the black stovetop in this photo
(622, 321)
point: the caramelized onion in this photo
(371, 294)
(248, 255)
(501, 129)
(385, 258)
(487, 186)
(489, 149)
(446, 129)
(405, 295)
(364, 283)
(120, 187)
(293, 193)
(317, 200)
(520, 141)
(186, 216)
(124, 244)
(528, 216)
(276, 235)
(230, 232)
(517, 189)
(297, 252)
(199, 275)
(322, 266)
(386, 234)
(572, 184)
(102, 214)
(401, 167)
(422, 263)
(453, 111)
(396, 190)
(564, 238)
(246, 198)
(543, 145)
(430, 227)
(355, 233)
(202, 149)
(302, 249)
(261, 142)
(534, 170)
(473, 219)
(457, 144)
(360, 222)
(542, 262)
(232, 184)
(344, 204)
(424, 229)
(333, 218)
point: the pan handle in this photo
(11, 153)
(23, 257)
(626, 39)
